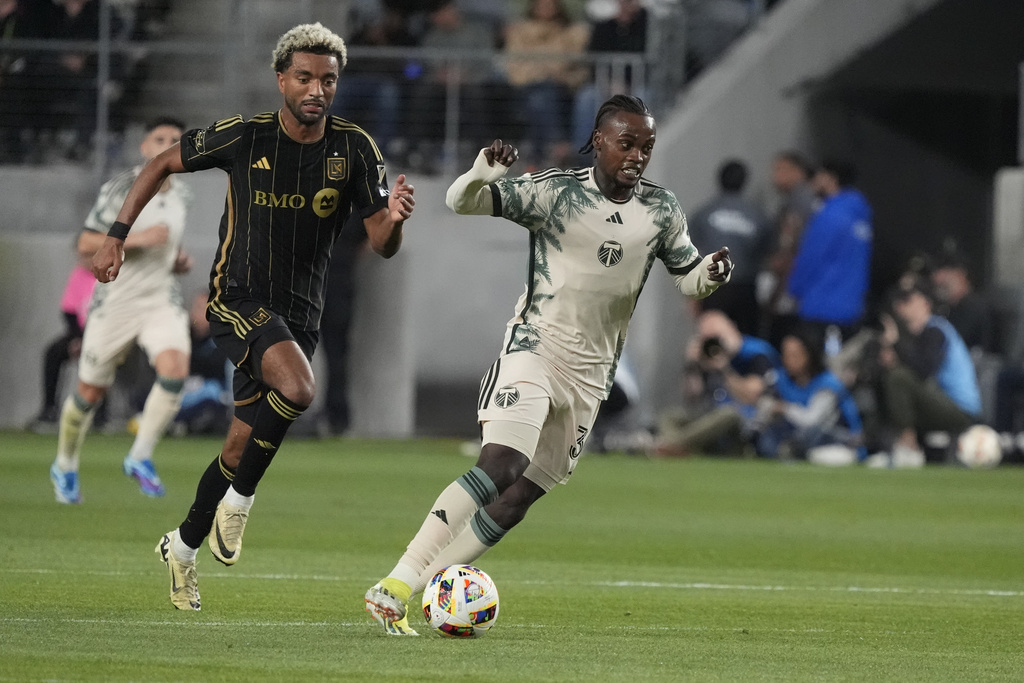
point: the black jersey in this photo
(286, 203)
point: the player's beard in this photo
(302, 117)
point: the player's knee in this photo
(503, 464)
(300, 390)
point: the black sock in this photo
(212, 486)
(273, 418)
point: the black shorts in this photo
(244, 329)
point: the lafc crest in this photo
(337, 169)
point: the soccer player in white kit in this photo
(594, 236)
(143, 306)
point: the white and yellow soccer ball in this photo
(979, 447)
(460, 601)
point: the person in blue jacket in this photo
(830, 275)
(810, 407)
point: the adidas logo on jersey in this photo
(614, 218)
(264, 165)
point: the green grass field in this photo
(699, 569)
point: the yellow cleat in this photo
(184, 580)
(226, 537)
(387, 609)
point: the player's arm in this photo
(106, 263)
(713, 271)
(469, 193)
(384, 228)
(90, 241)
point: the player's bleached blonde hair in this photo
(315, 39)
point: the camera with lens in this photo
(711, 347)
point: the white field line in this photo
(982, 592)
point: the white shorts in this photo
(109, 335)
(527, 404)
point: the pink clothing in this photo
(77, 293)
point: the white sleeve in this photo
(469, 193)
(696, 283)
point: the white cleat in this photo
(388, 611)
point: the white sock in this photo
(464, 548)
(449, 515)
(162, 405)
(183, 552)
(235, 499)
(75, 420)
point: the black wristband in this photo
(119, 230)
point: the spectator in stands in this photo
(18, 19)
(626, 31)
(791, 175)
(541, 67)
(830, 275)
(809, 407)
(727, 373)
(957, 301)
(370, 90)
(733, 220)
(929, 382)
(452, 35)
(74, 305)
(66, 80)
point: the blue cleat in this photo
(65, 486)
(143, 472)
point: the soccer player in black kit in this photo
(294, 177)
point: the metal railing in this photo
(199, 79)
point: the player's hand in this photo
(106, 262)
(720, 266)
(183, 262)
(504, 154)
(401, 202)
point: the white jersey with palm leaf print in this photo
(589, 259)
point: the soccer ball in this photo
(979, 447)
(460, 602)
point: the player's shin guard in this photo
(212, 486)
(448, 516)
(75, 419)
(478, 537)
(273, 418)
(161, 406)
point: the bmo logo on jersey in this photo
(325, 202)
(610, 253)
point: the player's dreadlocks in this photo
(612, 106)
(316, 39)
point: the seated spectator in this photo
(957, 301)
(928, 381)
(809, 408)
(64, 82)
(733, 220)
(544, 82)
(624, 32)
(727, 373)
(452, 35)
(370, 89)
(18, 19)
